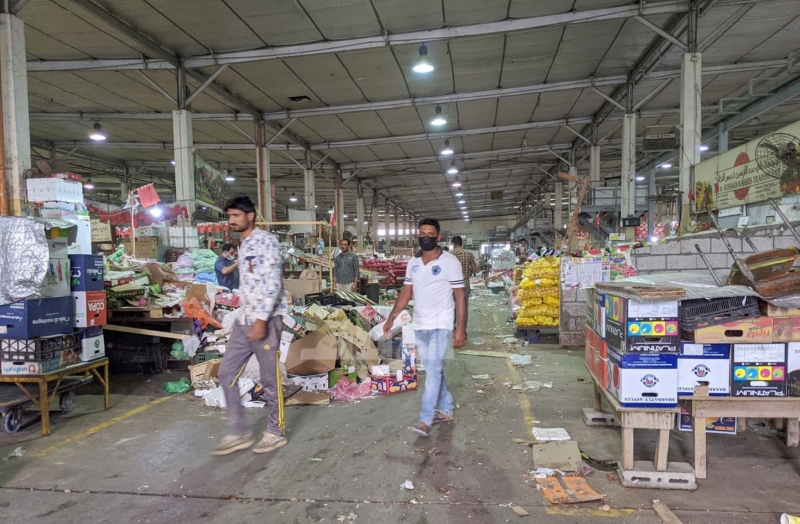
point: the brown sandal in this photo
(421, 429)
(441, 417)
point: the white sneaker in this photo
(269, 443)
(233, 443)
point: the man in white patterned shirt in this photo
(257, 331)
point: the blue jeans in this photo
(432, 345)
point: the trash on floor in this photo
(348, 390)
(407, 485)
(308, 398)
(177, 388)
(557, 455)
(520, 360)
(532, 385)
(789, 519)
(18, 452)
(481, 377)
(342, 518)
(550, 434)
(567, 490)
(476, 353)
(519, 511)
(541, 473)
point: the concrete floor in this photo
(147, 459)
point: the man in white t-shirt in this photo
(435, 281)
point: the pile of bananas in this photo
(539, 293)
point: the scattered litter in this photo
(520, 360)
(140, 488)
(519, 511)
(510, 341)
(789, 519)
(414, 501)
(476, 353)
(254, 404)
(605, 507)
(481, 377)
(316, 459)
(668, 517)
(533, 385)
(18, 452)
(541, 473)
(362, 452)
(350, 390)
(567, 490)
(407, 485)
(550, 434)
(584, 469)
(342, 518)
(479, 391)
(612, 477)
(123, 440)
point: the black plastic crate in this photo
(700, 313)
(390, 349)
(327, 300)
(32, 350)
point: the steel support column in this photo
(594, 164)
(386, 224)
(691, 127)
(651, 204)
(558, 210)
(722, 139)
(16, 133)
(310, 194)
(375, 222)
(360, 218)
(183, 144)
(263, 175)
(338, 208)
(396, 225)
(628, 193)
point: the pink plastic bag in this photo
(348, 390)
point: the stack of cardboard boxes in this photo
(89, 296)
(639, 353)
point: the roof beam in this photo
(370, 42)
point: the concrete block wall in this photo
(674, 255)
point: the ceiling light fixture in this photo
(456, 183)
(423, 64)
(330, 211)
(665, 165)
(639, 178)
(229, 177)
(704, 148)
(453, 169)
(88, 185)
(438, 119)
(344, 216)
(156, 212)
(447, 149)
(463, 207)
(462, 201)
(172, 162)
(459, 194)
(97, 135)
(292, 198)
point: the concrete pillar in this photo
(722, 139)
(558, 210)
(360, 223)
(651, 205)
(16, 132)
(386, 225)
(691, 127)
(311, 199)
(263, 176)
(594, 165)
(184, 160)
(396, 225)
(375, 222)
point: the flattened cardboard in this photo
(752, 331)
(308, 398)
(313, 354)
(557, 455)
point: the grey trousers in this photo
(238, 352)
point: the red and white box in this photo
(90, 308)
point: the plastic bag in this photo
(193, 309)
(179, 387)
(191, 345)
(520, 360)
(348, 390)
(177, 351)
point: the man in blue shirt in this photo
(227, 267)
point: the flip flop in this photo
(441, 417)
(421, 429)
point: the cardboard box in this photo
(53, 361)
(93, 344)
(101, 232)
(751, 331)
(381, 370)
(597, 356)
(793, 369)
(709, 363)
(786, 329)
(301, 288)
(390, 385)
(768, 310)
(309, 382)
(56, 281)
(36, 318)
(287, 337)
(90, 308)
(207, 370)
(634, 327)
(721, 426)
(643, 380)
(87, 272)
(336, 375)
(146, 231)
(759, 370)
(596, 311)
(58, 247)
(59, 214)
(145, 248)
(83, 237)
(403, 319)
(54, 190)
(313, 354)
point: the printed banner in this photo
(209, 184)
(764, 168)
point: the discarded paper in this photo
(532, 385)
(407, 485)
(520, 360)
(567, 490)
(550, 434)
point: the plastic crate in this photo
(205, 356)
(700, 313)
(37, 349)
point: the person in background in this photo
(468, 268)
(317, 245)
(345, 267)
(257, 331)
(434, 280)
(227, 267)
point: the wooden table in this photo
(661, 419)
(42, 401)
(715, 407)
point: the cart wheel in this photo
(12, 420)
(67, 401)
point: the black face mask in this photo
(427, 243)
